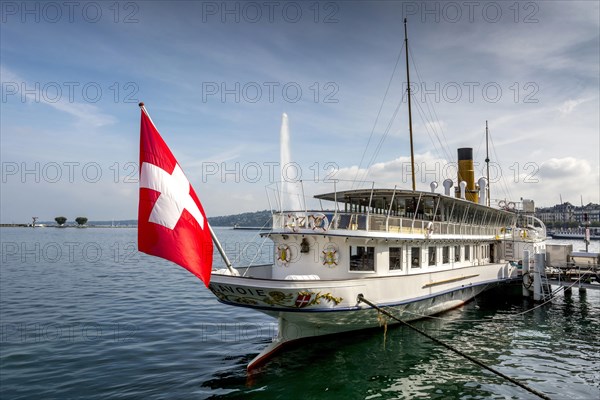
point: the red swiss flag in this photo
(171, 221)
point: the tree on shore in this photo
(60, 220)
(81, 220)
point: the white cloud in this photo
(568, 106)
(569, 177)
(565, 167)
(398, 172)
(543, 183)
(85, 114)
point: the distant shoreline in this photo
(66, 226)
(103, 226)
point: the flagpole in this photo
(221, 251)
(212, 233)
(146, 112)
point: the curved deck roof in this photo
(380, 198)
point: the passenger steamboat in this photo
(417, 253)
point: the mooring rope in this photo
(361, 298)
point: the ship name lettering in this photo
(239, 290)
(258, 292)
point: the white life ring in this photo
(283, 255)
(330, 256)
(511, 205)
(429, 229)
(502, 203)
(318, 221)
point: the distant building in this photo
(567, 213)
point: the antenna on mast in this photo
(487, 162)
(412, 152)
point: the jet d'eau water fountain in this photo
(290, 190)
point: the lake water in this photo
(83, 315)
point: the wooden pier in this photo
(565, 267)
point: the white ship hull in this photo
(311, 308)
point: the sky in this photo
(216, 78)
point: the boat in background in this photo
(249, 228)
(577, 234)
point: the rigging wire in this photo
(481, 140)
(429, 128)
(243, 250)
(503, 184)
(257, 252)
(429, 117)
(432, 113)
(380, 143)
(479, 146)
(378, 114)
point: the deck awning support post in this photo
(335, 202)
(387, 219)
(367, 225)
(305, 207)
(412, 226)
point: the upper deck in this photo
(400, 213)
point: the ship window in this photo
(344, 221)
(395, 258)
(468, 253)
(415, 257)
(446, 255)
(362, 222)
(432, 255)
(401, 207)
(429, 208)
(456, 253)
(362, 258)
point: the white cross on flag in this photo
(171, 221)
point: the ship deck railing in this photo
(417, 224)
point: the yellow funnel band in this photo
(466, 172)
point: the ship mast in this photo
(412, 153)
(487, 162)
